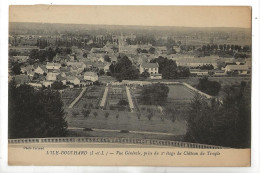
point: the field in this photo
(68, 95)
(113, 117)
(179, 92)
(115, 94)
(144, 122)
(91, 98)
(123, 120)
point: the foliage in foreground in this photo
(227, 124)
(35, 113)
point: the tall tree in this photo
(225, 124)
(35, 113)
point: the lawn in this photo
(179, 92)
(124, 120)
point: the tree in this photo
(209, 87)
(152, 50)
(122, 102)
(124, 70)
(155, 94)
(95, 114)
(106, 114)
(145, 74)
(85, 55)
(107, 59)
(227, 124)
(57, 85)
(35, 113)
(16, 68)
(150, 115)
(101, 72)
(128, 74)
(85, 113)
(169, 72)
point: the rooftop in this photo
(149, 65)
(237, 67)
(89, 73)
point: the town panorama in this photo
(146, 82)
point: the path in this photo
(198, 91)
(103, 101)
(130, 101)
(110, 130)
(77, 99)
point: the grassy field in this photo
(81, 133)
(178, 100)
(123, 120)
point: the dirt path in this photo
(77, 99)
(109, 130)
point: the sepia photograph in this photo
(87, 83)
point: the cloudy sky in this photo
(135, 15)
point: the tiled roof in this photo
(89, 73)
(237, 67)
(149, 65)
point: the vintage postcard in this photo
(129, 85)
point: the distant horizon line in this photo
(134, 25)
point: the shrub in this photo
(106, 114)
(149, 116)
(75, 113)
(124, 131)
(90, 105)
(209, 87)
(139, 116)
(87, 129)
(123, 102)
(95, 114)
(85, 113)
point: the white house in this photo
(53, 66)
(47, 83)
(91, 76)
(238, 69)
(41, 70)
(151, 68)
(106, 67)
(77, 67)
(74, 80)
(51, 76)
(62, 79)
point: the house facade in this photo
(41, 70)
(90, 76)
(237, 69)
(53, 66)
(151, 68)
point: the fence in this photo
(114, 140)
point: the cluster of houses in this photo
(76, 70)
(229, 66)
(72, 73)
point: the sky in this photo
(188, 16)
